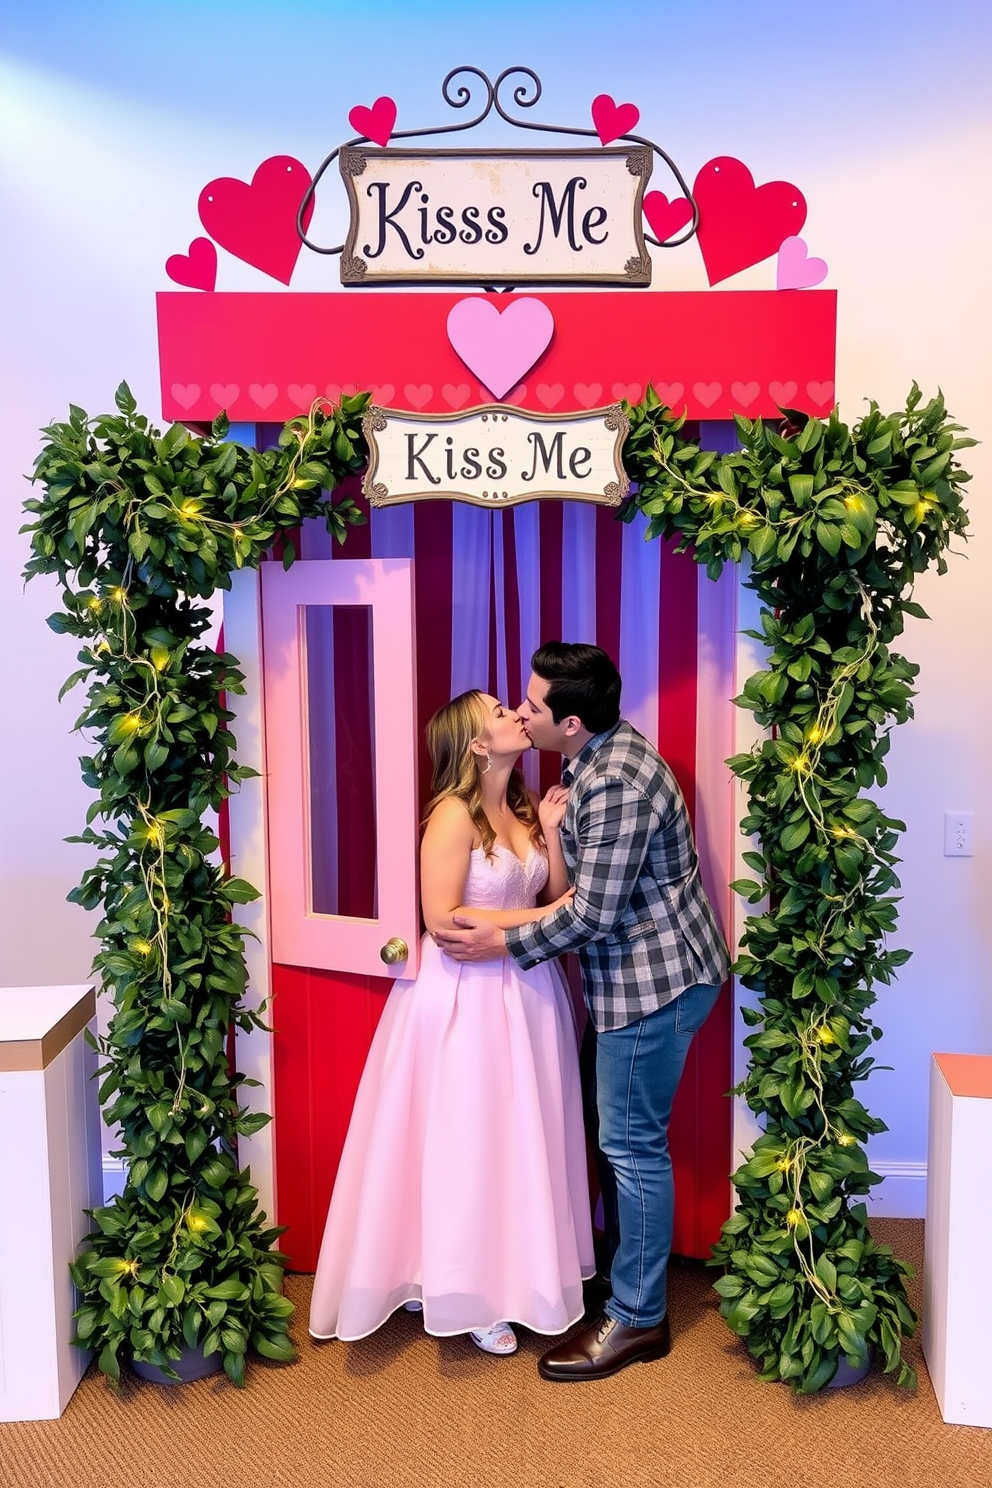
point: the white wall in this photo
(112, 117)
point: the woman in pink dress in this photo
(462, 1187)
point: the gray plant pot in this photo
(847, 1374)
(192, 1364)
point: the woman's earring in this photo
(489, 763)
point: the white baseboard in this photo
(903, 1195)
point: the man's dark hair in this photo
(584, 683)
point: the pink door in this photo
(341, 748)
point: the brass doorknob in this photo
(394, 950)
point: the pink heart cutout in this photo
(550, 394)
(376, 123)
(196, 269)
(613, 119)
(740, 223)
(707, 392)
(670, 393)
(588, 394)
(745, 393)
(666, 218)
(782, 393)
(795, 269)
(224, 393)
(302, 396)
(500, 348)
(257, 223)
(630, 391)
(264, 394)
(456, 395)
(334, 392)
(419, 395)
(821, 392)
(382, 393)
(186, 394)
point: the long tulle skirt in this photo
(463, 1180)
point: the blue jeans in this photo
(637, 1070)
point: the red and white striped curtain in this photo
(491, 586)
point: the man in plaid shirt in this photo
(652, 960)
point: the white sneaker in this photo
(499, 1339)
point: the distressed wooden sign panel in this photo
(506, 216)
(495, 456)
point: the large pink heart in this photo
(740, 223)
(500, 347)
(257, 223)
(197, 269)
(795, 268)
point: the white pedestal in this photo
(957, 1307)
(49, 1173)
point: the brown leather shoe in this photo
(603, 1349)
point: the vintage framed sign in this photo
(495, 455)
(502, 216)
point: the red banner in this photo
(266, 357)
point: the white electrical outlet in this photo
(959, 831)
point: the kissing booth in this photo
(452, 583)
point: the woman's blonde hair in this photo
(458, 769)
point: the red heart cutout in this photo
(740, 223)
(376, 123)
(665, 217)
(613, 119)
(257, 223)
(196, 269)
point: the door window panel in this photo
(340, 713)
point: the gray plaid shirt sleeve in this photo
(613, 833)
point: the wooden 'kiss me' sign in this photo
(510, 215)
(495, 456)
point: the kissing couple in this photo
(462, 1190)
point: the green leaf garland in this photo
(141, 530)
(837, 523)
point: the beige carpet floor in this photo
(401, 1410)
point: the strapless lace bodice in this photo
(503, 881)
